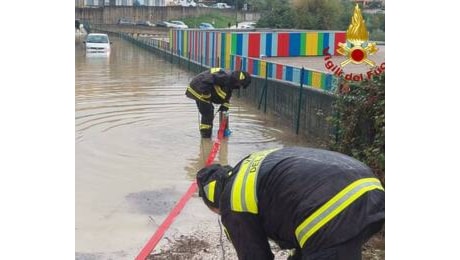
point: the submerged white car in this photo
(179, 24)
(97, 43)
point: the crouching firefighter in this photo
(214, 86)
(321, 204)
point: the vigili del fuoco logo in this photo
(357, 49)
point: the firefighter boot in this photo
(206, 133)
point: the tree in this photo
(304, 14)
(257, 5)
(280, 15)
(319, 14)
(374, 5)
(345, 17)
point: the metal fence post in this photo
(302, 72)
(264, 90)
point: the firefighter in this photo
(214, 85)
(321, 204)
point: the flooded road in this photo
(138, 147)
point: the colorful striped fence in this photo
(227, 49)
(271, 70)
(212, 44)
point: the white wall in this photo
(94, 2)
(155, 2)
(124, 2)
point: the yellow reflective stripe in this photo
(237, 186)
(209, 190)
(242, 76)
(334, 206)
(250, 195)
(244, 189)
(204, 126)
(214, 70)
(226, 105)
(220, 92)
(226, 233)
(199, 96)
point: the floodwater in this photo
(138, 147)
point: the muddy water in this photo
(138, 147)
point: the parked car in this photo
(161, 24)
(144, 23)
(221, 5)
(165, 24)
(97, 43)
(206, 26)
(126, 21)
(202, 5)
(179, 24)
(247, 25)
(186, 3)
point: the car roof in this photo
(98, 34)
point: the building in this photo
(79, 3)
(365, 3)
(155, 2)
(93, 2)
(124, 2)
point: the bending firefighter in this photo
(323, 204)
(214, 86)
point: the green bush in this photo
(377, 35)
(360, 123)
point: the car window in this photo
(206, 26)
(97, 39)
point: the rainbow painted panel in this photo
(244, 63)
(294, 48)
(339, 37)
(296, 75)
(316, 79)
(270, 69)
(258, 67)
(263, 44)
(211, 50)
(289, 72)
(238, 43)
(250, 67)
(307, 77)
(263, 68)
(268, 44)
(205, 44)
(228, 49)
(274, 44)
(214, 48)
(312, 43)
(254, 45)
(283, 45)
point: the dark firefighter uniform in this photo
(214, 86)
(323, 204)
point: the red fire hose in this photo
(148, 248)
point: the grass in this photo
(218, 19)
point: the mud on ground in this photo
(211, 245)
